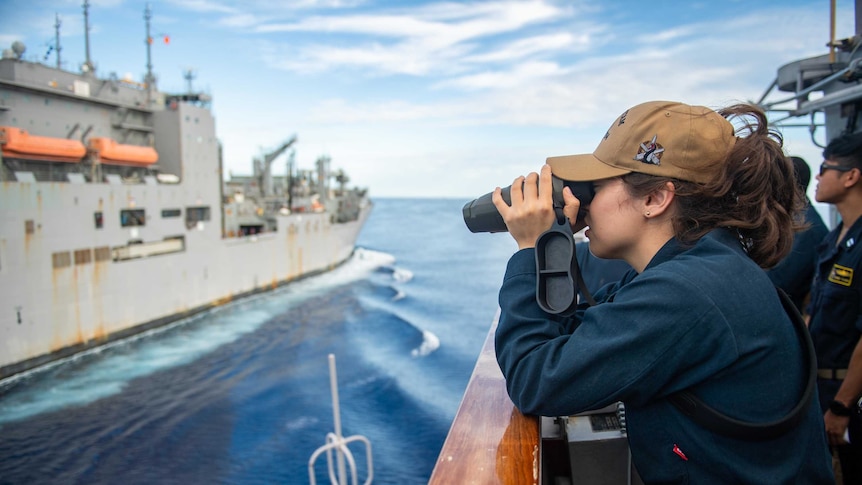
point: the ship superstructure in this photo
(821, 93)
(114, 217)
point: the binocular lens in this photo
(481, 214)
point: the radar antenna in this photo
(189, 75)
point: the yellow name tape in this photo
(841, 275)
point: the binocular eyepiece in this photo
(481, 214)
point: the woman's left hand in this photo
(532, 209)
(836, 427)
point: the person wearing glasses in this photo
(835, 310)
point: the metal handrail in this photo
(805, 92)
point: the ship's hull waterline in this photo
(50, 312)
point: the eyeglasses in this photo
(824, 167)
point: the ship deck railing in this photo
(490, 441)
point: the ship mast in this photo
(57, 37)
(88, 66)
(149, 79)
(189, 76)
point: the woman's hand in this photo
(532, 209)
(836, 427)
(571, 208)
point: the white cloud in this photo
(373, 59)
(449, 23)
(425, 40)
(713, 63)
(534, 46)
(517, 76)
(345, 112)
(240, 20)
(205, 6)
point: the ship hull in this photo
(66, 289)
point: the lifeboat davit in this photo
(17, 143)
(109, 152)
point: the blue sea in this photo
(241, 394)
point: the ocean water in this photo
(241, 394)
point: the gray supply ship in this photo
(115, 218)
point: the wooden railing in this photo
(490, 441)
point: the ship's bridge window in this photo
(196, 214)
(171, 213)
(132, 217)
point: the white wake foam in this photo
(402, 275)
(109, 374)
(399, 294)
(429, 344)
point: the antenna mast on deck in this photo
(57, 37)
(189, 76)
(88, 65)
(149, 80)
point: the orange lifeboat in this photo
(110, 152)
(17, 143)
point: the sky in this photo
(435, 98)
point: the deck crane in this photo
(263, 167)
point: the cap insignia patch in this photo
(650, 152)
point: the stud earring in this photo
(647, 213)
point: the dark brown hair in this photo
(755, 193)
(846, 150)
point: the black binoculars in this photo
(481, 215)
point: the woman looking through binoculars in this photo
(697, 207)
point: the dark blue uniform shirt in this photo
(795, 272)
(836, 299)
(704, 318)
(598, 272)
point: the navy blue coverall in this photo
(704, 318)
(795, 272)
(836, 325)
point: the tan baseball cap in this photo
(662, 138)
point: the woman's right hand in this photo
(532, 209)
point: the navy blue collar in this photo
(674, 247)
(851, 239)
